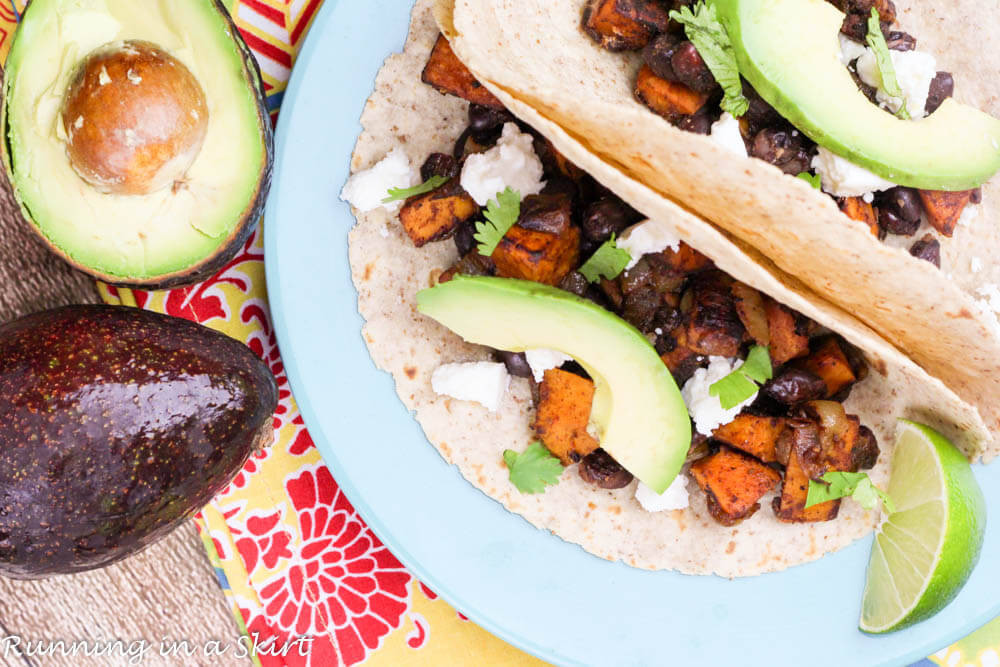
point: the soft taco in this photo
(691, 300)
(798, 75)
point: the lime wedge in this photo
(924, 551)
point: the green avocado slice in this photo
(789, 51)
(637, 407)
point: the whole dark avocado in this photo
(118, 424)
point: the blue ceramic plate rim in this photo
(519, 583)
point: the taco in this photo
(693, 301)
(633, 109)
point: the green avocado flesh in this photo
(637, 407)
(135, 236)
(789, 51)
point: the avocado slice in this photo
(789, 51)
(637, 408)
(186, 148)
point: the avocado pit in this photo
(135, 119)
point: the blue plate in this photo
(532, 589)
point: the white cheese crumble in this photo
(645, 237)
(484, 382)
(726, 133)
(543, 359)
(969, 213)
(842, 178)
(850, 50)
(674, 498)
(705, 409)
(512, 163)
(914, 72)
(366, 189)
(976, 265)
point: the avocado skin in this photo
(212, 264)
(118, 425)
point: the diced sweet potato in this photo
(449, 75)
(713, 326)
(563, 413)
(787, 341)
(686, 259)
(733, 484)
(857, 208)
(829, 362)
(790, 506)
(435, 215)
(752, 434)
(682, 362)
(944, 208)
(624, 25)
(538, 256)
(750, 308)
(670, 99)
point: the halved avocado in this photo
(161, 187)
(637, 406)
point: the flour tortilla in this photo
(536, 51)
(388, 272)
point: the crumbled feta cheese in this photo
(512, 163)
(484, 382)
(674, 498)
(645, 237)
(543, 359)
(914, 72)
(850, 50)
(868, 197)
(976, 265)
(366, 189)
(843, 178)
(970, 213)
(726, 133)
(705, 409)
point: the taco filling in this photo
(698, 61)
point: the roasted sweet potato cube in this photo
(670, 99)
(449, 75)
(733, 484)
(857, 208)
(845, 444)
(787, 340)
(538, 256)
(682, 362)
(752, 434)
(686, 259)
(624, 25)
(750, 308)
(944, 208)
(790, 506)
(563, 411)
(435, 215)
(829, 362)
(713, 325)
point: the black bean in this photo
(794, 386)
(786, 149)
(465, 238)
(606, 216)
(549, 213)
(900, 41)
(691, 69)
(942, 87)
(658, 52)
(891, 223)
(976, 196)
(759, 113)
(516, 363)
(699, 123)
(640, 308)
(904, 202)
(575, 282)
(599, 468)
(865, 452)
(487, 122)
(438, 164)
(927, 248)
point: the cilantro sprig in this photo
(887, 71)
(501, 214)
(812, 179)
(857, 485)
(533, 469)
(607, 261)
(432, 183)
(710, 39)
(743, 382)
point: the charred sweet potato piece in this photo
(682, 362)
(750, 308)
(539, 256)
(449, 75)
(685, 259)
(845, 444)
(752, 434)
(790, 506)
(866, 451)
(787, 341)
(944, 208)
(829, 362)
(669, 99)
(713, 325)
(857, 208)
(435, 215)
(563, 411)
(733, 484)
(624, 25)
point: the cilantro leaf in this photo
(812, 179)
(857, 485)
(742, 383)
(432, 183)
(887, 71)
(501, 214)
(608, 261)
(533, 469)
(710, 39)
